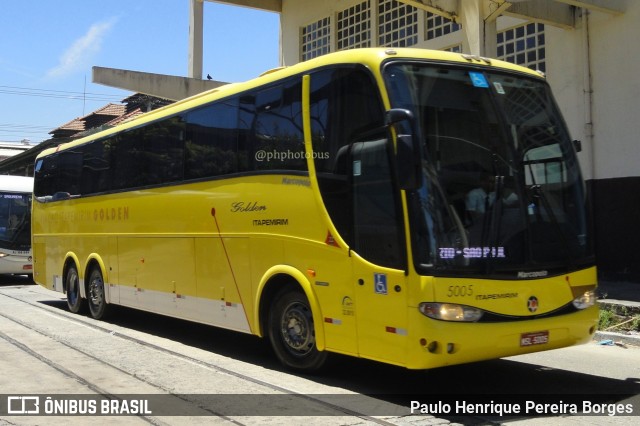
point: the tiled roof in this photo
(69, 129)
(110, 115)
(76, 124)
(110, 109)
(103, 115)
(125, 117)
(89, 121)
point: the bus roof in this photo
(371, 57)
(16, 183)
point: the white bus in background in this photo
(15, 225)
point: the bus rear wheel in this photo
(72, 285)
(96, 297)
(292, 333)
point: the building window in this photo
(354, 26)
(397, 24)
(455, 48)
(316, 39)
(523, 45)
(438, 26)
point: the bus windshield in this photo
(501, 189)
(15, 222)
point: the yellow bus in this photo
(408, 206)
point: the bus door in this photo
(345, 117)
(378, 254)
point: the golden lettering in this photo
(112, 213)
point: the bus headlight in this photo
(586, 300)
(3, 255)
(450, 312)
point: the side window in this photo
(163, 144)
(96, 162)
(211, 147)
(260, 130)
(544, 165)
(45, 173)
(58, 176)
(278, 142)
(127, 160)
(344, 103)
(68, 176)
(149, 155)
(343, 100)
(353, 170)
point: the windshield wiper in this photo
(494, 220)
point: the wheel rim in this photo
(96, 291)
(296, 328)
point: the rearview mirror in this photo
(577, 145)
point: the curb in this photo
(623, 307)
(616, 338)
(620, 307)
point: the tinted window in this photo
(45, 174)
(149, 155)
(261, 130)
(211, 148)
(342, 101)
(278, 142)
(353, 165)
(68, 176)
(96, 172)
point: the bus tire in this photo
(72, 286)
(96, 298)
(292, 333)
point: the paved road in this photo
(193, 374)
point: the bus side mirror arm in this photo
(408, 157)
(577, 145)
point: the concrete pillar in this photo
(479, 27)
(196, 12)
(162, 86)
(490, 38)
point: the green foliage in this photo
(606, 319)
(635, 324)
(618, 320)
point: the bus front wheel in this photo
(72, 284)
(292, 333)
(96, 295)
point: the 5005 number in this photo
(460, 290)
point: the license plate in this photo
(536, 338)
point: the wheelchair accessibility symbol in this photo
(380, 281)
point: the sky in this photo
(48, 47)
